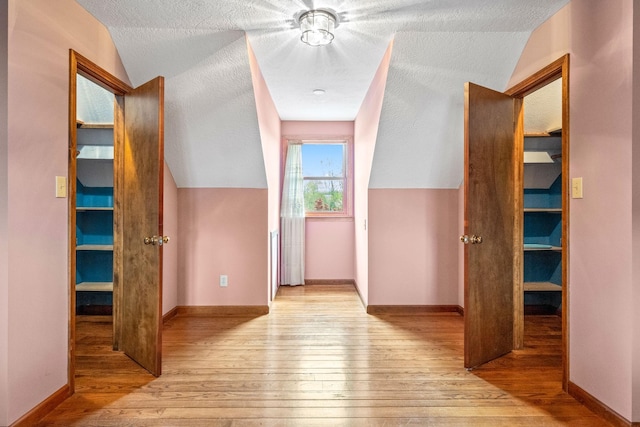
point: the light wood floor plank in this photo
(316, 360)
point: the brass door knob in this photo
(156, 240)
(473, 239)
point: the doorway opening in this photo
(543, 283)
(93, 212)
(137, 234)
(494, 231)
(95, 98)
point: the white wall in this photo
(40, 34)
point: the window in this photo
(325, 170)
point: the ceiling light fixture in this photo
(317, 27)
(319, 92)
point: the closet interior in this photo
(543, 210)
(94, 200)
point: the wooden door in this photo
(490, 264)
(143, 164)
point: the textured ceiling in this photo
(543, 109)
(212, 134)
(95, 105)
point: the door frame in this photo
(556, 70)
(79, 64)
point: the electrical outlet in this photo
(224, 281)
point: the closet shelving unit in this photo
(94, 216)
(543, 223)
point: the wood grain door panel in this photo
(141, 329)
(489, 212)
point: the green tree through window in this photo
(324, 172)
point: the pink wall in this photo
(222, 231)
(461, 247)
(4, 248)
(329, 249)
(316, 129)
(40, 33)
(413, 247)
(636, 216)
(599, 37)
(365, 135)
(170, 251)
(269, 123)
(329, 242)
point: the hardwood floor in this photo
(318, 359)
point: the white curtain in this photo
(292, 218)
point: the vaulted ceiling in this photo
(212, 137)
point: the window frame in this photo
(347, 195)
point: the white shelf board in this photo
(93, 208)
(543, 210)
(95, 152)
(541, 287)
(94, 286)
(94, 247)
(550, 248)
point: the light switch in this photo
(61, 186)
(576, 188)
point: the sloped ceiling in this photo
(212, 137)
(543, 109)
(95, 105)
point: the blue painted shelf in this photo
(94, 216)
(543, 245)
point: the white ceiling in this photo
(212, 136)
(543, 109)
(94, 104)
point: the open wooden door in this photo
(492, 243)
(142, 238)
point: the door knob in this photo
(473, 239)
(156, 240)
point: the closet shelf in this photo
(543, 210)
(94, 208)
(94, 247)
(84, 125)
(542, 287)
(94, 287)
(537, 247)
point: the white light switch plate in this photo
(61, 186)
(576, 188)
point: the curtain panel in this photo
(292, 218)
